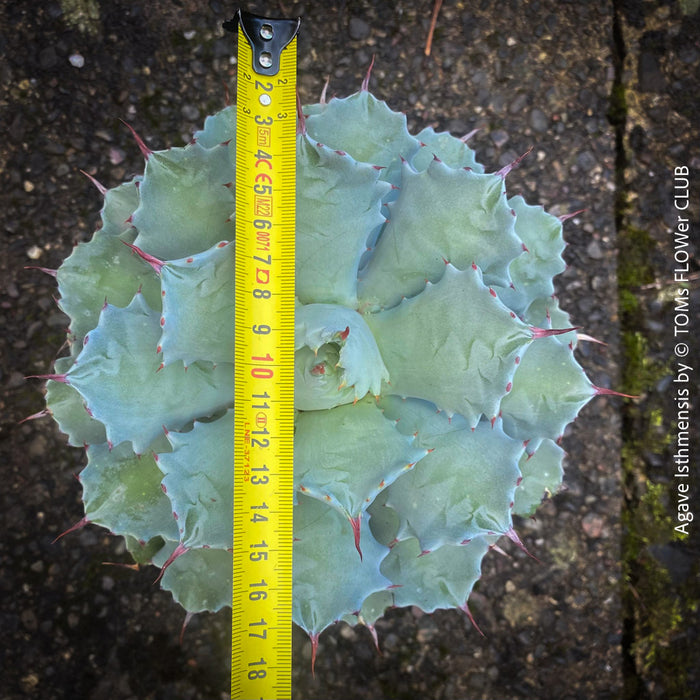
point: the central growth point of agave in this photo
(435, 372)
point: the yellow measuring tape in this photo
(261, 642)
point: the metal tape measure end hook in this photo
(267, 38)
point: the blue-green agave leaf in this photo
(186, 201)
(118, 374)
(324, 551)
(338, 207)
(199, 482)
(122, 492)
(469, 222)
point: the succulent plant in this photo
(434, 370)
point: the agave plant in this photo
(434, 370)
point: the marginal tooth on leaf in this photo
(145, 150)
(590, 339)
(100, 187)
(177, 552)
(324, 91)
(375, 638)
(188, 616)
(512, 535)
(61, 378)
(365, 82)
(601, 391)
(80, 524)
(355, 522)
(154, 262)
(546, 332)
(313, 636)
(465, 609)
(34, 416)
(123, 565)
(566, 217)
(503, 172)
(467, 136)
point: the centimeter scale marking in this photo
(261, 637)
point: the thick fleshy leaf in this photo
(324, 551)
(546, 313)
(533, 271)
(346, 455)
(199, 482)
(198, 307)
(367, 129)
(421, 419)
(219, 128)
(542, 476)
(460, 356)
(337, 360)
(69, 411)
(102, 270)
(468, 220)
(186, 201)
(143, 552)
(549, 389)
(118, 375)
(122, 492)
(200, 579)
(463, 488)
(440, 579)
(373, 607)
(119, 204)
(410, 345)
(445, 147)
(338, 207)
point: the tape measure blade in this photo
(264, 395)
